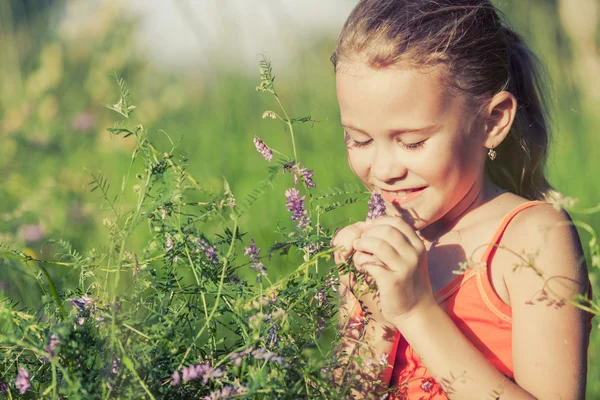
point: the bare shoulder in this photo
(547, 245)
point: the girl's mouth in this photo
(402, 197)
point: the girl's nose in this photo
(387, 165)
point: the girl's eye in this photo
(413, 146)
(353, 143)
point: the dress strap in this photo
(492, 246)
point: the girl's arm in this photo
(549, 343)
(374, 343)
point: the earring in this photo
(492, 154)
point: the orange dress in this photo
(478, 312)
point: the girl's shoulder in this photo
(542, 244)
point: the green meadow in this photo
(53, 136)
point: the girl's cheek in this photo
(358, 164)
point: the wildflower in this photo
(383, 360)
(82, 303)
(563, 202)
(376, 206)
(170, 243)
(51, 346)
(299, 172)
(252, 252)
(264, 354)
(226, 392)
(22, 382)
(204, 371)
(163, 213)
(427, 384)
(176, 378)
(237, 357)
(263, 149)
(295, 204)
(269, 114)
(272, 338)
(209, 251)
(3, 388)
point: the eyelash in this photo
(410, 146)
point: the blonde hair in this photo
(483, 56)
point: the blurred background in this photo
(192, 69)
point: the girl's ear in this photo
(499, 117)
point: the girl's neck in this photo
(462, 215)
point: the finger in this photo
(401, 225)
(392, 235)
(373, 270)
(386, 253)
(343, 240)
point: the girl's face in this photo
(404, 130)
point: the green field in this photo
(53, 131)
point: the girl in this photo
(443, 117)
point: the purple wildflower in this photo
(237, 357)
(263, 149)
(208, 250)
(273, 338)
(307, 177)
(83, 303)
(299, 171)
(3, 388)
(295, 204)
(252, 252)
(51, 346)
(226, 392)
(204, 371)
(176, 378)
(264, 354)
(376, 206)
(22, 382)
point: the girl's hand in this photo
(391, 252)
(369, 302)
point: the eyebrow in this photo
(429, 128)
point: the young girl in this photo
(443, 117)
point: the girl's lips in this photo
(394, 197)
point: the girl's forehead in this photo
(397, 90)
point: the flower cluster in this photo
(83, 306)
(204, 371)
(226, 392)
(238, 357)
(83, 303)
(295, 205)
(376, 206)
(264, 354)
(209, 251)
(252, 252)
(22, 382)
(51, 346)
(299, 172)
(263, 149)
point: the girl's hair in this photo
(482, 55)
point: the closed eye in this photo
(354, 143)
